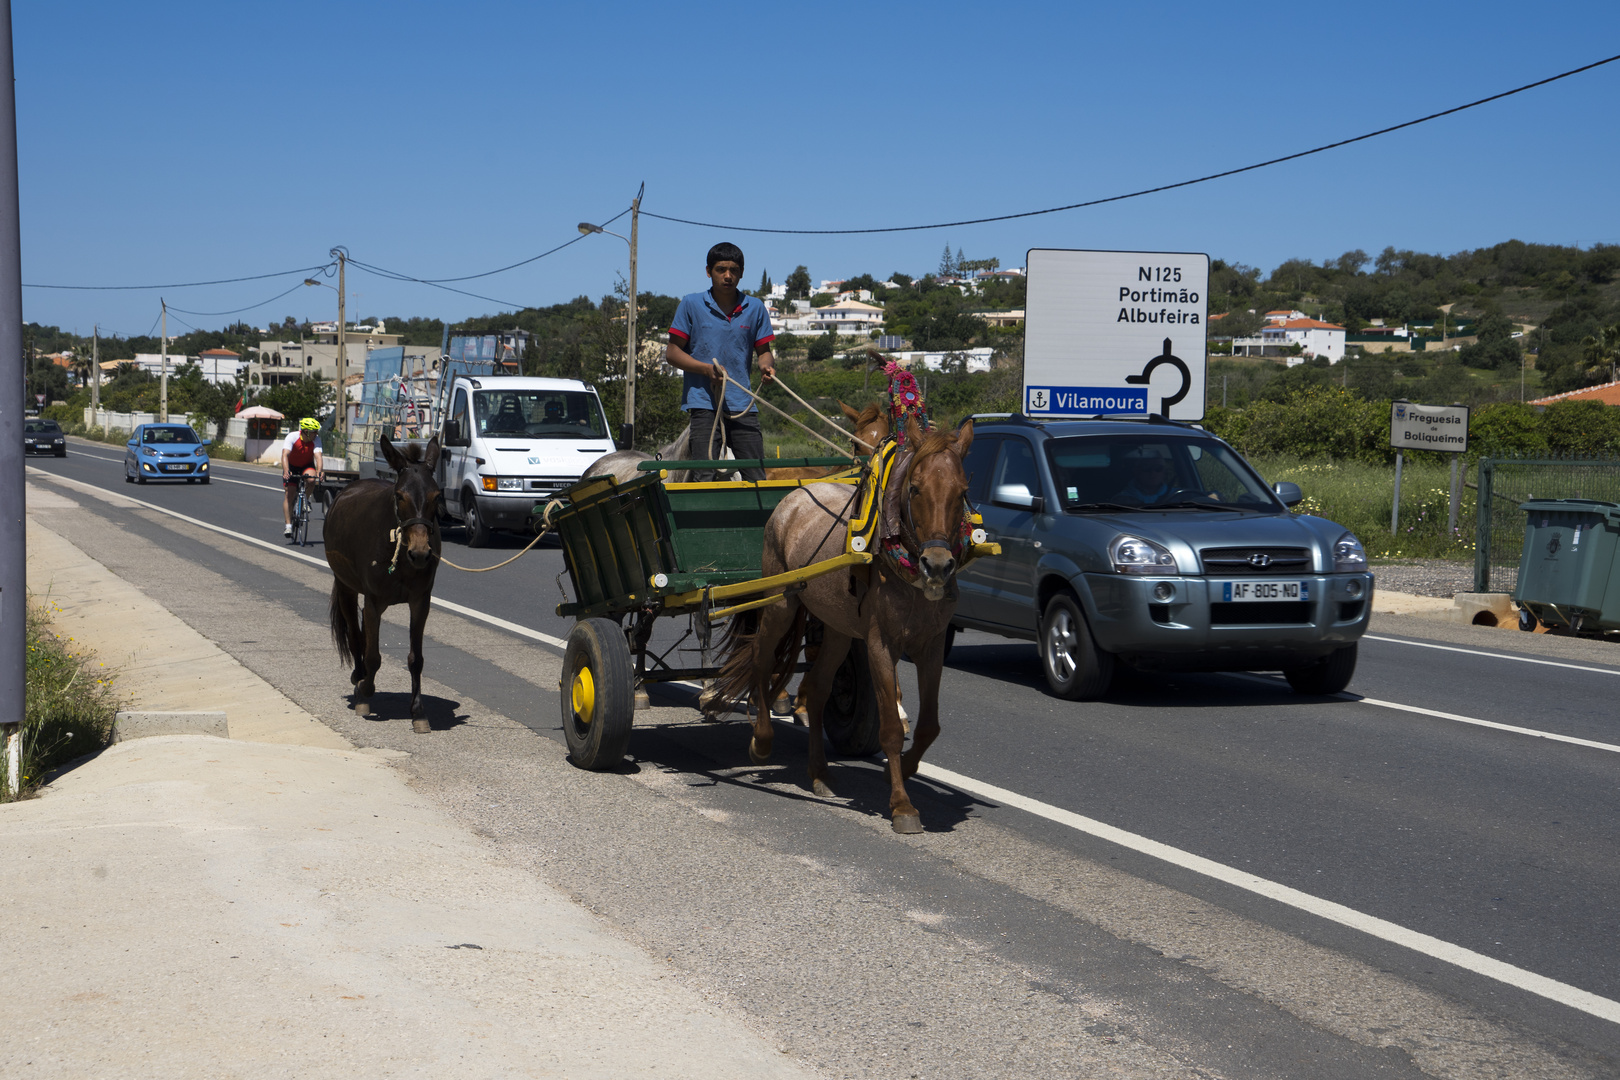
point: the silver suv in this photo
(1155, 544)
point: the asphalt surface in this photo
(1002, 941)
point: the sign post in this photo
(1115, 332)
(1427, 427)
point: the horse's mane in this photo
(933, 442)
(869, 414)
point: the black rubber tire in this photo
(140, 478)
(598, 694)
(473, 521)
(61, 453)
(850, 721)
(1328, 675)
(128, 479)
(1075, 668)
(1527, 620)
(206, 479)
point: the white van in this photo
(510, 442)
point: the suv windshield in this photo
(539, 414)
(152, 436)
(1154, 471)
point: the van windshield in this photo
(1153, 471)
(539, 414)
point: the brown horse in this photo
(382, 540)
(871, 428)
(881, 605)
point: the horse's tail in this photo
(340, 625)
(739, 646)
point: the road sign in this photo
(1115, 332)
(1428, 427)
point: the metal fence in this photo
(1504, 483)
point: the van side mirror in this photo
(1017, 497)
(1288, 492)
(453, 435)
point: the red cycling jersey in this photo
(301, 454)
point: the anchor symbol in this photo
(1147, 373)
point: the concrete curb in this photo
(144, 725)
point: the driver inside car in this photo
(1150, 481)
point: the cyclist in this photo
(300, 458)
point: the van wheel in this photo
(1328, 675)
(1074, 666)
(473, 521)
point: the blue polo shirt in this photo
(709, 334)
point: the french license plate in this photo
(176, 468)
(1248, 592)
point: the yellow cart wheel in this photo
(597, 694)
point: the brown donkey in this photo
(890, 608)
(382, 540)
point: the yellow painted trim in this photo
(775, 581)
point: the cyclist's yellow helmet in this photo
(309, 423)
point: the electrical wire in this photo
(514, 266)
(181, 285)
(1145, 191)
(235, 311)
(392, 276)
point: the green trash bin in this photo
(1568, 574)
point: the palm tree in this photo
(1600, 349)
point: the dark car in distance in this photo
(44, 437)
(1153, 543)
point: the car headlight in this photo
(1349, 556)
(149, 450)
(1134, 555)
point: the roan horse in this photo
(382, 540)
(879, 604)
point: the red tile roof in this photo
(218, 352)
(1607, 393)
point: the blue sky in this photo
(190, 141)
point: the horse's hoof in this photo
(801, 718)
(782, 706)
(361, 708)
(421, 727)
(754, 755)
(908, 823)
(820, 787)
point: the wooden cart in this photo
(645, 550)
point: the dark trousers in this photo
(741, 435)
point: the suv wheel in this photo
(1074, 666)
(1328, 675)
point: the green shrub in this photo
(70, 703)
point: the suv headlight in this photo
(1349, 557)
(1134, 555)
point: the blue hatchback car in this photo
(165, 452)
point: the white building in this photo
(848, 317)
(972, 359)
(1286, 328)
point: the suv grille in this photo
(1255, 560)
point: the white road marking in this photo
(1467, 959)
(1532, 732)
(1493, 656)
(283, 549)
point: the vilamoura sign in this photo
(1115, 332)
(1428, 427)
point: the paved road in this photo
(1207, 868)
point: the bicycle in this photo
(300, 517)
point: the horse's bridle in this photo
(908, 528)
(397, 534)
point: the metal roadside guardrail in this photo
(1506, 483)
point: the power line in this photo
(514, 266)
(235, 311)
(1144, 191)
(393, 276)
(181, 285)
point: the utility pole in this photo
(342, 255)
(95, 373)
(163, 385)
(628, 435)
(13, 534)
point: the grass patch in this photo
(70, 703)
(1359, 497)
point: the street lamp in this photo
(627, 432)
